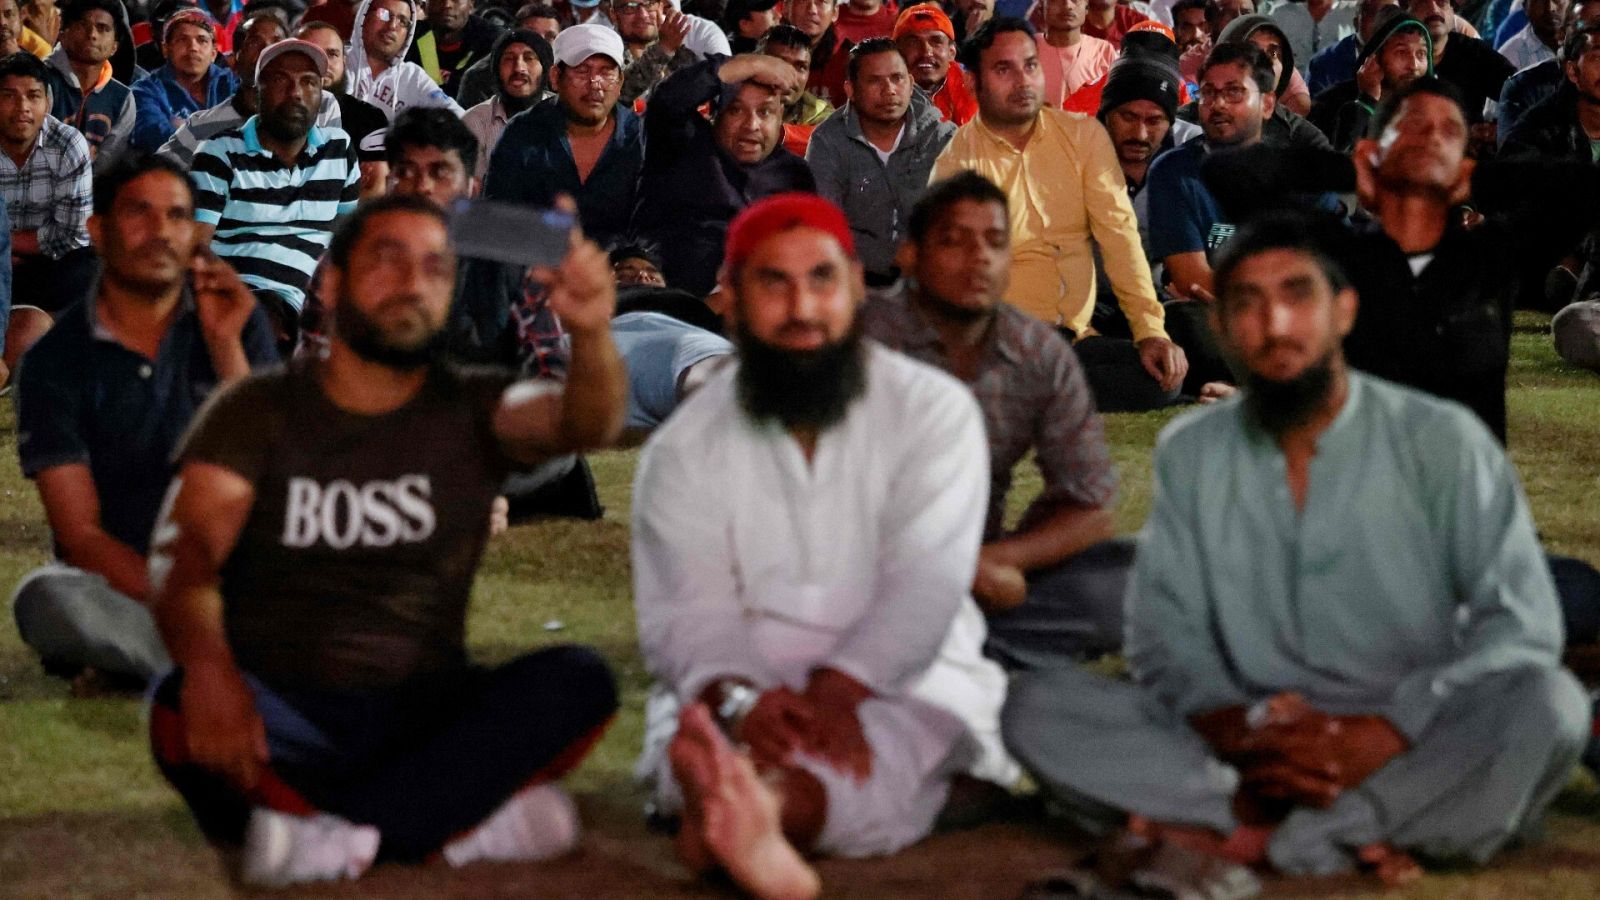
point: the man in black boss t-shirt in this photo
(313, 571)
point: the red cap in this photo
(779, 213)
(1153, 25)
(922, 17)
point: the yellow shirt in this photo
(1064, 188)
(32, 43)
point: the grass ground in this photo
(84, 813)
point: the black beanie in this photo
(1141, 78)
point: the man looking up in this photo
(803, 111)
(522, 60)
(314, 571)
(927, 39)
(872, 159)
(11, 27)
(101, 402)
(309, 172)
(1399, 53)
(860, 20)
(84, 93)
(450, 40)
(1404, 694)
(1527, 88)
(653, 31)
(47, 185)
(1071, 59)
(829, 49)
(378, 70)
(1469, 63)
(1338, 62)
(586, 144)
(357, 118)
(1065, 187)
(481, 80)
(698, 175)
(190, 80)
(1053, 588)
(858, 683)
(1539, 39)
(255, 34)
(1110, 20)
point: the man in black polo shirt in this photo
(101, 402)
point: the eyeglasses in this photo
(387, 16)
(602, 77)
(1233, 93)
(634, 6)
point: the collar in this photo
(315, 137)
(100, 332)
(920, 333)
(983, 129)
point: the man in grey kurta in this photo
(1398, 580)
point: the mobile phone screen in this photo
(511, 232)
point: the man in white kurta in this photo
(756, 565)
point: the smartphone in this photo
(511, 232)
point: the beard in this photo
(289, 122)
(368, 340)
(1280, 407)
(800, 389)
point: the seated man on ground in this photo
(1053, 587)
(802, 565)
(190, 80)
(803, 111)
(313, 571)
(1340, 660)
(378, 70)
(102, 399)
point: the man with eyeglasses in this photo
(653, 34)
(378, 70)
(586, 144)
(450, 40)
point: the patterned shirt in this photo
(51, 192)
(273, 221)
(1034, 396)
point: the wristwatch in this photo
(736, 703)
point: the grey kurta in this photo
(1410, 585)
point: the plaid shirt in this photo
(52, 191)
(1034, 396)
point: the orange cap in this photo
(922, 17)
(1152, 25)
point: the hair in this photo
(868, 47)
(251, 18)
(109, 183)
(784, 35)
(1389, 107)
(539, 11)
(971, 52)
(78, 9)
(941, 195)
(1244, 53)
(431, 126)
(1577, 43)
(1316, 235)
(1184, 5)
(305, 28)
(347, 233)
(26, 65)
(636, 248)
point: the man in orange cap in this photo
(927, 39)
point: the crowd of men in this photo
(844, 267)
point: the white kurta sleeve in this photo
(692, 628)
(1511, 617)
(931, 530)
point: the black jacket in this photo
(1550, 130)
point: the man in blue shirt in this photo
(190, 80)
(101, 402)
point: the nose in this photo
(1278, 319)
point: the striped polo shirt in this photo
(273, 221)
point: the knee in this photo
(39, 603)
(1550, 701)
(1576, 330)
(583, 676)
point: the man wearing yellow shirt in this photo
(1065, 188)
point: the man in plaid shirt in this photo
(45, 178)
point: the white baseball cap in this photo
(293, 45)
(576, 44)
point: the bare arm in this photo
(205, 514)
(1191, 274)
(72, 507)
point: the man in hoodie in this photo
(378, 70)
(1469, 63)
(1401, 51)
(873, 157)
(1337, 62)
(698, 175)
(586, 144)
(83, 92)
(449, 41)
(188, 82)
(481, 80)
(521, 59)
(1287, 126)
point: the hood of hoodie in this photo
(541, 49)
(355, 59)
(1240, 29)
(1393, 26)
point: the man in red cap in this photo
(927, 39)
(805, 535)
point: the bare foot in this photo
(1212, 391)
(1393, 867)
(499, 516)
(731, 815)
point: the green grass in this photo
(83, 812)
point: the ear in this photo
(1345, 304)
(474, 186)
(721, 300)
(905, 256)
(1269, 103)
(96, 226)
(849, 89)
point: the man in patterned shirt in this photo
(46, 179)
(1052, 588)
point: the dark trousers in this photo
(54, 284)
(1189, 326)
(422, 764)
(1578, 588)
(1073, 611)
(1117, 377)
